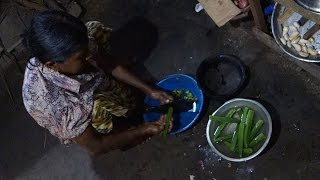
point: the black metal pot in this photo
(222, 77)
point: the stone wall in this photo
(16, 15)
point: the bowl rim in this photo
(261, 148)
(201, 101)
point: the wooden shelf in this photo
(297, 8)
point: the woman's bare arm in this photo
(97, 143)
(121, 73)
(124, 75)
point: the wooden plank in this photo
(311, 68)
(220, 11)
(314, 29)
(52, 4)
(31, 5)
(297, 8)
(258, 15)
(13, 46)
(6, 84)
(285, 16)
(303, 21)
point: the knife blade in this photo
(179, 105)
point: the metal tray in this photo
(312, 5)
(277, 33)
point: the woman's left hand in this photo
(162, 96)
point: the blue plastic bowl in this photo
(184, 120)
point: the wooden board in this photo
(258, 16)
(220, 11)
(314, 29)
(285, 16)
(303, 21)
(297, 8)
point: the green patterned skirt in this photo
(117, 100)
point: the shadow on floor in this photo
(135, 41)
(23, 141)
(276, 124)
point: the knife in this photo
(178, 105)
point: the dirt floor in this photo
(185, 38)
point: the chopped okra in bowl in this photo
(239, 130)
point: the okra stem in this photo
(247, 151)
(248, 124)
(244, 114)
(227, 144)
(226, 137)
(234, 139)
(257, 139)
(167, 121)
(223, 119)
(222, 125)
(240, 138)
(256, 129)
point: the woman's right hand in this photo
(155, 128)
(98, 143)
(148, 130)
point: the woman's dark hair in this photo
(55, 36)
